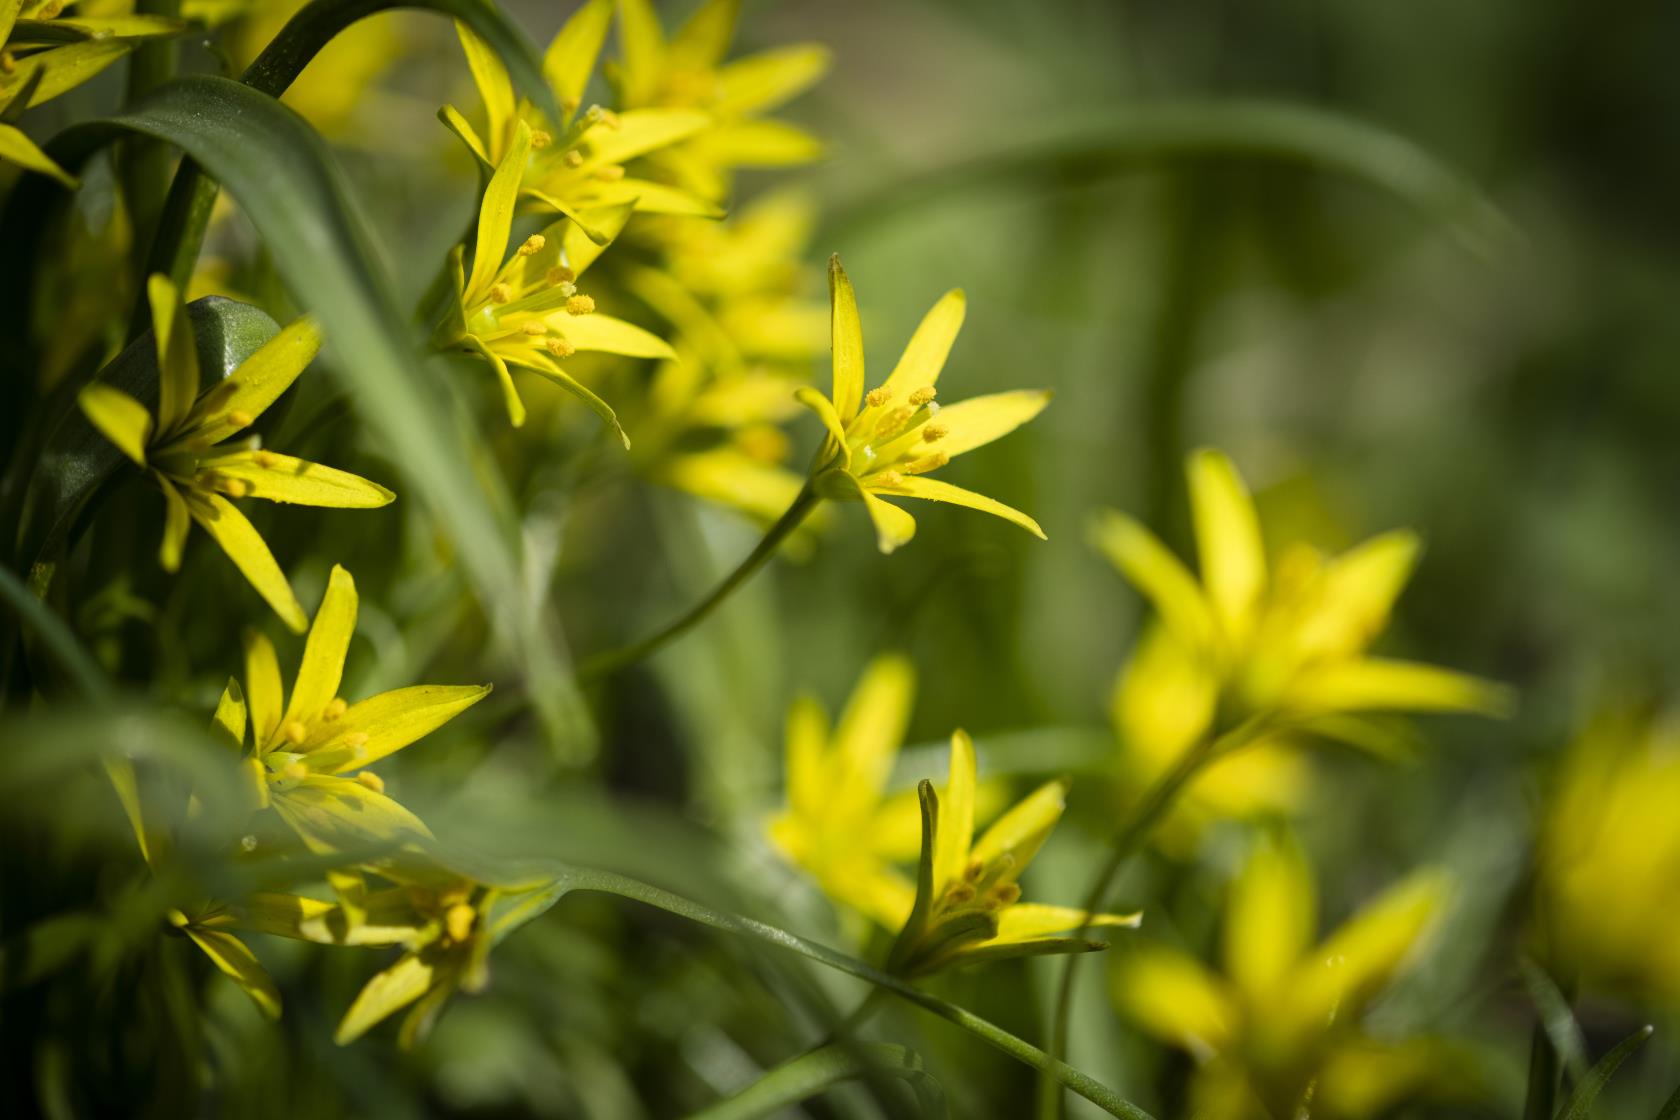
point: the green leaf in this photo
(1580, 1105)
(1671, 1109)
(814, 1072)
(1557, 1019)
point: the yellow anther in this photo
(580, 305)
(296, 771)
(295, 732)
(763, 442)
(1004, 894)
(894, 420)
(267, 460)
(567, 288)
(973, 870)
(459, 921)
(501, 293)
(889, 478)
(560, 348)
(927, 463)
(923, 395)
(371, 780)
(573, 158)
(356, 740)
(533, 245)
(560, 274)
(959, 893)
(535, 327)
(570, 105)
(239, 418)
(933, 433)
(540, 139)
(610, 119)
(877, 397)
(234, 487)
(611, 173)
(7, 63)
(336, 709)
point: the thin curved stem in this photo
(606, 664)
(607, 882)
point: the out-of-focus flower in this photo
(183, 448)
(1285, 649)
(341, 83)
(1609, 862)
(1284, 1009)
(575, 164)
(968, 907)
(44, 53)
(689, 71)
(885, 442)
(528, 313)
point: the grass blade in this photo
(809, 1074)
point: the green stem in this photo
(1126, 843)
(1542, 1074)
(146, 166)
(590, 879)
(608, 663)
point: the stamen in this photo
(889, 478)
(567, 288)
(560, 274)
(267, 460)
(356, 741)
(933, 433)
(540, 140)
(611, 173)
(500, 293)
(295, 770)
(973, 870)
(7, 65)
(610, 119)
(959, 893)
(239, 418)
(533, 245)
(580, 305)
(560, 348)
(459, 921)
(336, 709)
(371, 780)
(894, 420)
(1004, 894)
(535, 327)
(877, 397)
(573, 158)
(923, 395)
(570, 105)
(233, 487)
(927, 463)
(295, 731)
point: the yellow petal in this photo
(256, 384)
(762, 144)
(16, 147)
(1027, 921)
(702, 42)
(1158, 575)
(510, 392)
(322, 668)
(1022, 830)
(893, 526)
(238, 963)
(119, 417)
(334, 814)
(245, 547)
(1372, 683)
(494, 87)
(391, 721)
(281, 478)
(639, 132)
(847, 342)
(262, 687)
(1271, 919)
(387, 993)
(466, 133)
(980, 420)
(1360, 958)
(1174, 998)
(65, 68)
(642, 45)
(608, 335)
(542, 365)
(177, 356)
(924, 357)
(495, 216)
(921, 486)
(1164, 700)
(807, 772)
(571, 55)
(769, 78)
(870, 731)
(956, 814)
(587, 236)
(176, 524)
(649, 197)
(1355, 593)
(126, 784)
(1228, 541)
(730, 477)
(229, 720)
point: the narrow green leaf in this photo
(809, 1074)
(1580, 1105)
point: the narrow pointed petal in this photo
(933, 490)
(641, 44)
(324, 651)
(847, 329)
(119, 417)
(177, 522)
(256, 384)
(570, 57)
(1233, 557)
(238, 963)
(281, 478)
(980, 420)
(1356, 592)
(702, 42)
(1027, 921)
(1359, 959)
(1158, 575)
(493, 84)
(229, 720)
(246, 548)
(383, 996)
(177, 356)
(824, 408)
(806, 779)
(495, 217)
(64, 68)
(649, 197)
(754, 143)
(1371, 683)
(510, 392)
(18, 148)
(540, 364)
(956, 810)
(608, 335)
(263, 690)
(770, 78)
(1271, 919)
(924, 358)
(334, 814)
(391, 721)
(869, 733)
(582, 237)
(1172, 996)
(996, 949)
(1022, 830)
(893, 527)
(639, 132)
(467, 134)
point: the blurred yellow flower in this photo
(341, 84)
(1285, 1008)
(688, 71)
(885, 442)
(1609, 862)
(528, 313)
(1282, 651)
(575, 164)
(183, 447)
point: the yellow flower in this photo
(1285, 648)
(885, 442)
(308, 751)
(528, 312)
(688, 71)
(841, 828)
(1284, 1008)
(43, 55)
(184, 447)
(1609, 862)
(341, 83)
(576, 164)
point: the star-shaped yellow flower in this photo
(885, 442)
(576, 164)
(185, 447)
(689, 71)
(528, 313)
